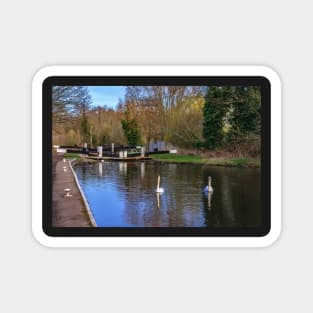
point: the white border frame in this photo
(45, 72)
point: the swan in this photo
(209, 187)
(159, 189)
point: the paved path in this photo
(66, 212)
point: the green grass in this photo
(72, 156)
(178, 158)
(182, 158)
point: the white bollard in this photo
(99, 150)
(67, 192)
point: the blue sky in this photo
(106, 95)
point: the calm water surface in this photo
(122, 194)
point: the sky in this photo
(106, 95)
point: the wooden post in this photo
(158, 185)
(209, 183)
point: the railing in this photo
(107, 150)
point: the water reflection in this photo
(100, 168)
(158, 200)
(122, 167)
(228, 212)
(142, 169)
(209, 199)
(123, 194)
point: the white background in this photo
(34, 34)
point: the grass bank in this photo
(219, 161)
(72, 156)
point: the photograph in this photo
(156, 156)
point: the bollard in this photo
(99, 150)
(67, 192)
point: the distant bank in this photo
(218, 161)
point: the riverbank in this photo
(67, 211)
(188, 159)
(197, 159)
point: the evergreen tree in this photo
(245, 117)
(214, 110)
(131, 131)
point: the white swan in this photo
(209, 187)
(159, 189)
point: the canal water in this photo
(122, 194)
